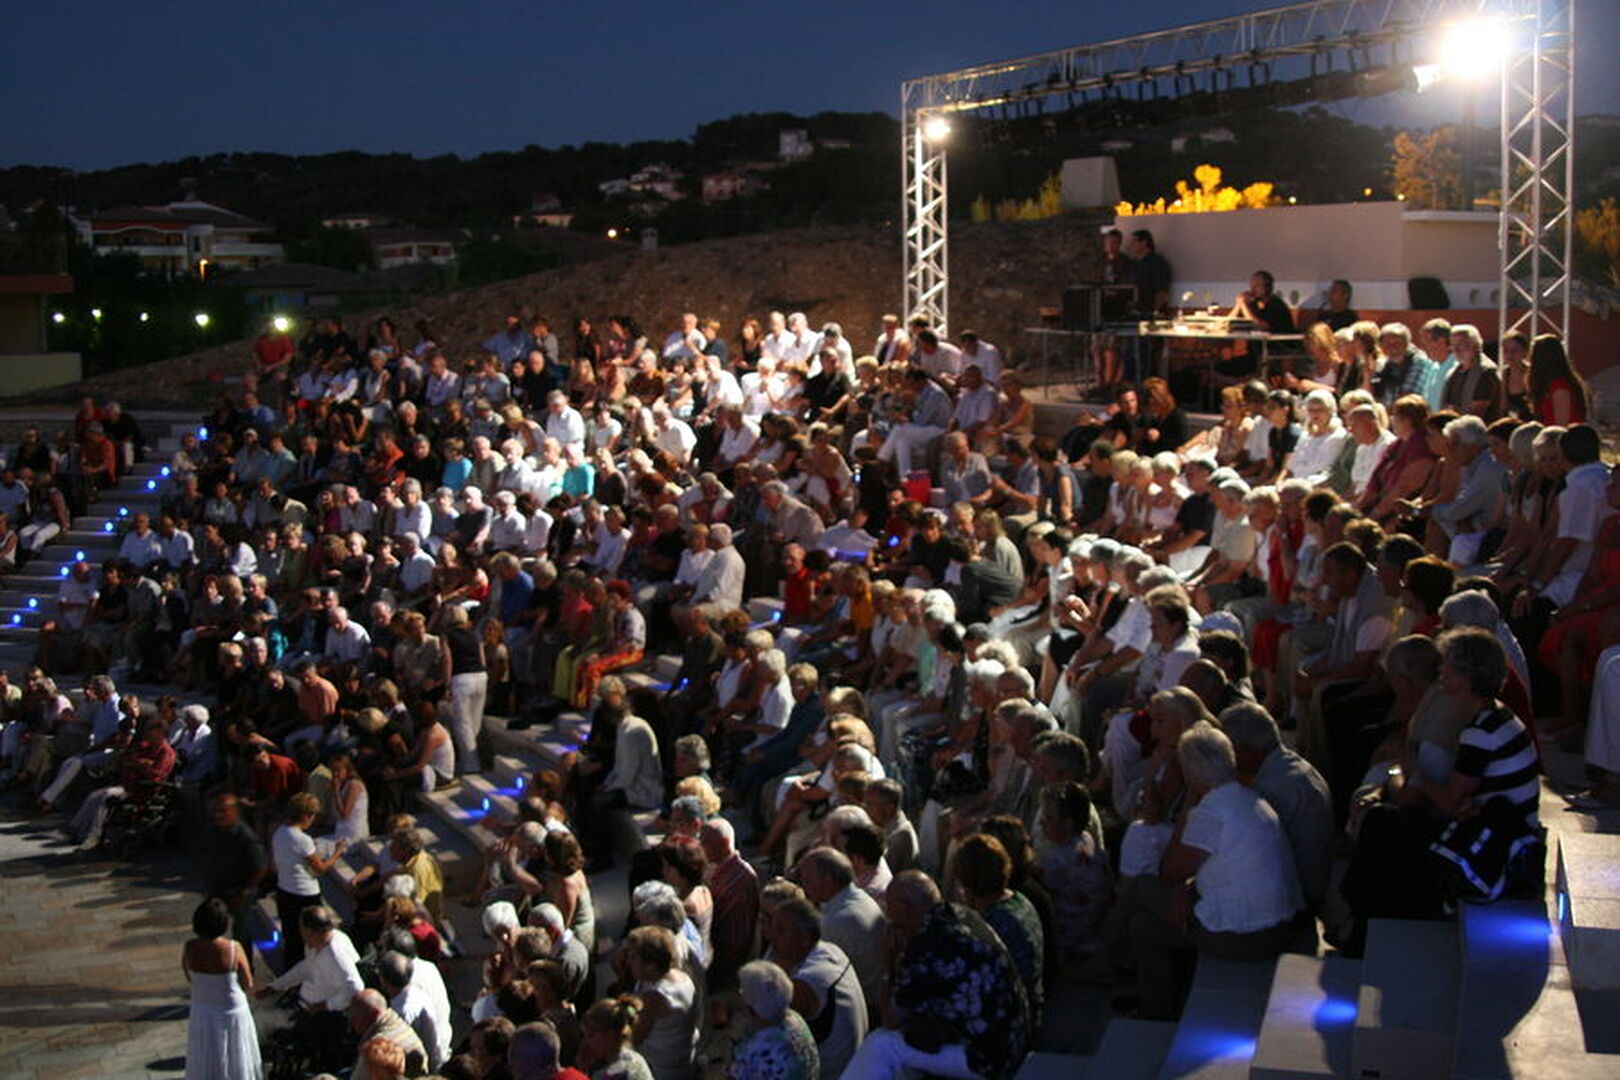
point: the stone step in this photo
(666, 667)
(1310, 1018)
(1588, 891)
(1215, 1038)
(1132, 1049)
(764, 609)
(1406, 1013)
(542, 744)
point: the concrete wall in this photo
(1377, 246)
(22, 373)
(22, 324)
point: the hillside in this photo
(1001, 273)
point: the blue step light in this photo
(202, 433)
(33, 602)
(108, 527)
(78, 556)
(63, 571)
(123, 511)
(163, 471)
(151, 485)
(16, 620)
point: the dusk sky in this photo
(95, 83)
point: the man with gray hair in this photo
(1407, 369)
(1227, 887)
(1463, 521)
(826, 990)
(411, 1003)
(566, 949)
(850, 918)
(1293, 788)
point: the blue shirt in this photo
(579, 480)
(516, 598)
(456, 474)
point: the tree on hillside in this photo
(1427, 168)
(340, 249)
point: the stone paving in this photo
(91, 984)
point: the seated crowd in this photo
(961, 712)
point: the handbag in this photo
(1481, 854)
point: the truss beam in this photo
(1316, 38)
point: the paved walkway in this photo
(91, 983)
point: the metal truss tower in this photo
(1329, 48)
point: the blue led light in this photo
(1563, 905)
(1335, 1012)
(123, 511)
(202, 433)
(16, 620)
(78, 556)
(776, 616)
(64, 571)
(151, 485)
(108, 527)
(163, 471)
(484, 805)
(33, 601)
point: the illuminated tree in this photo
(1427, 168)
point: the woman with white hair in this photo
(1322, 440)
(781, 1046)
(1474, 607)
(1227, 886)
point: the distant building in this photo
(547, 210)
(403, 245)
(794, 144)
(733, 184)
(297, 287)
(655, 179)
(357, 219)
(185, 237)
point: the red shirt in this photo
(277, 779)
(798, 589)
(272, 349)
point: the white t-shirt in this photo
(1248, 882)
(291, 848)
(1581, 510)
(1365, 463)
(827, 970)
(1134, 627)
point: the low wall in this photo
(22, 373)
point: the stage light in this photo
(1474, 49)
(281, 323)
(202, 319)
(936, 128)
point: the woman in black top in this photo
(1162, 425)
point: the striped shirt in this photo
(1496, 749)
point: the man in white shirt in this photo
(978, 351)
(893, 345)
(721, 579)
(507, 527)
(410, 514)
(179, 549)
(327, 977)
(346, 640)
(563, 421)
(78, 591)
(414, 1006)
(800, 344)
(1371, 440)
(685, 343)
(939, 358)
(671, 434)
(141, 547)
(737, 438)
(1582, 507)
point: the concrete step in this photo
(1588, 891)
(542, 744)
(1215, 1039)
(764, 609)
(1132, 1049)
(1310, 1018)
(665, 667)
(1406, 1013)
(1044, 1066)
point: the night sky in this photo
(93, 83)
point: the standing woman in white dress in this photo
(221, 1041)
(351, 806)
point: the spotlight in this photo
(936, 128)
(1474, 49)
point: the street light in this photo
(202, 319)
(146, 316)
(936, 128)
(281, 323)
(58, 318)
(95, 313)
